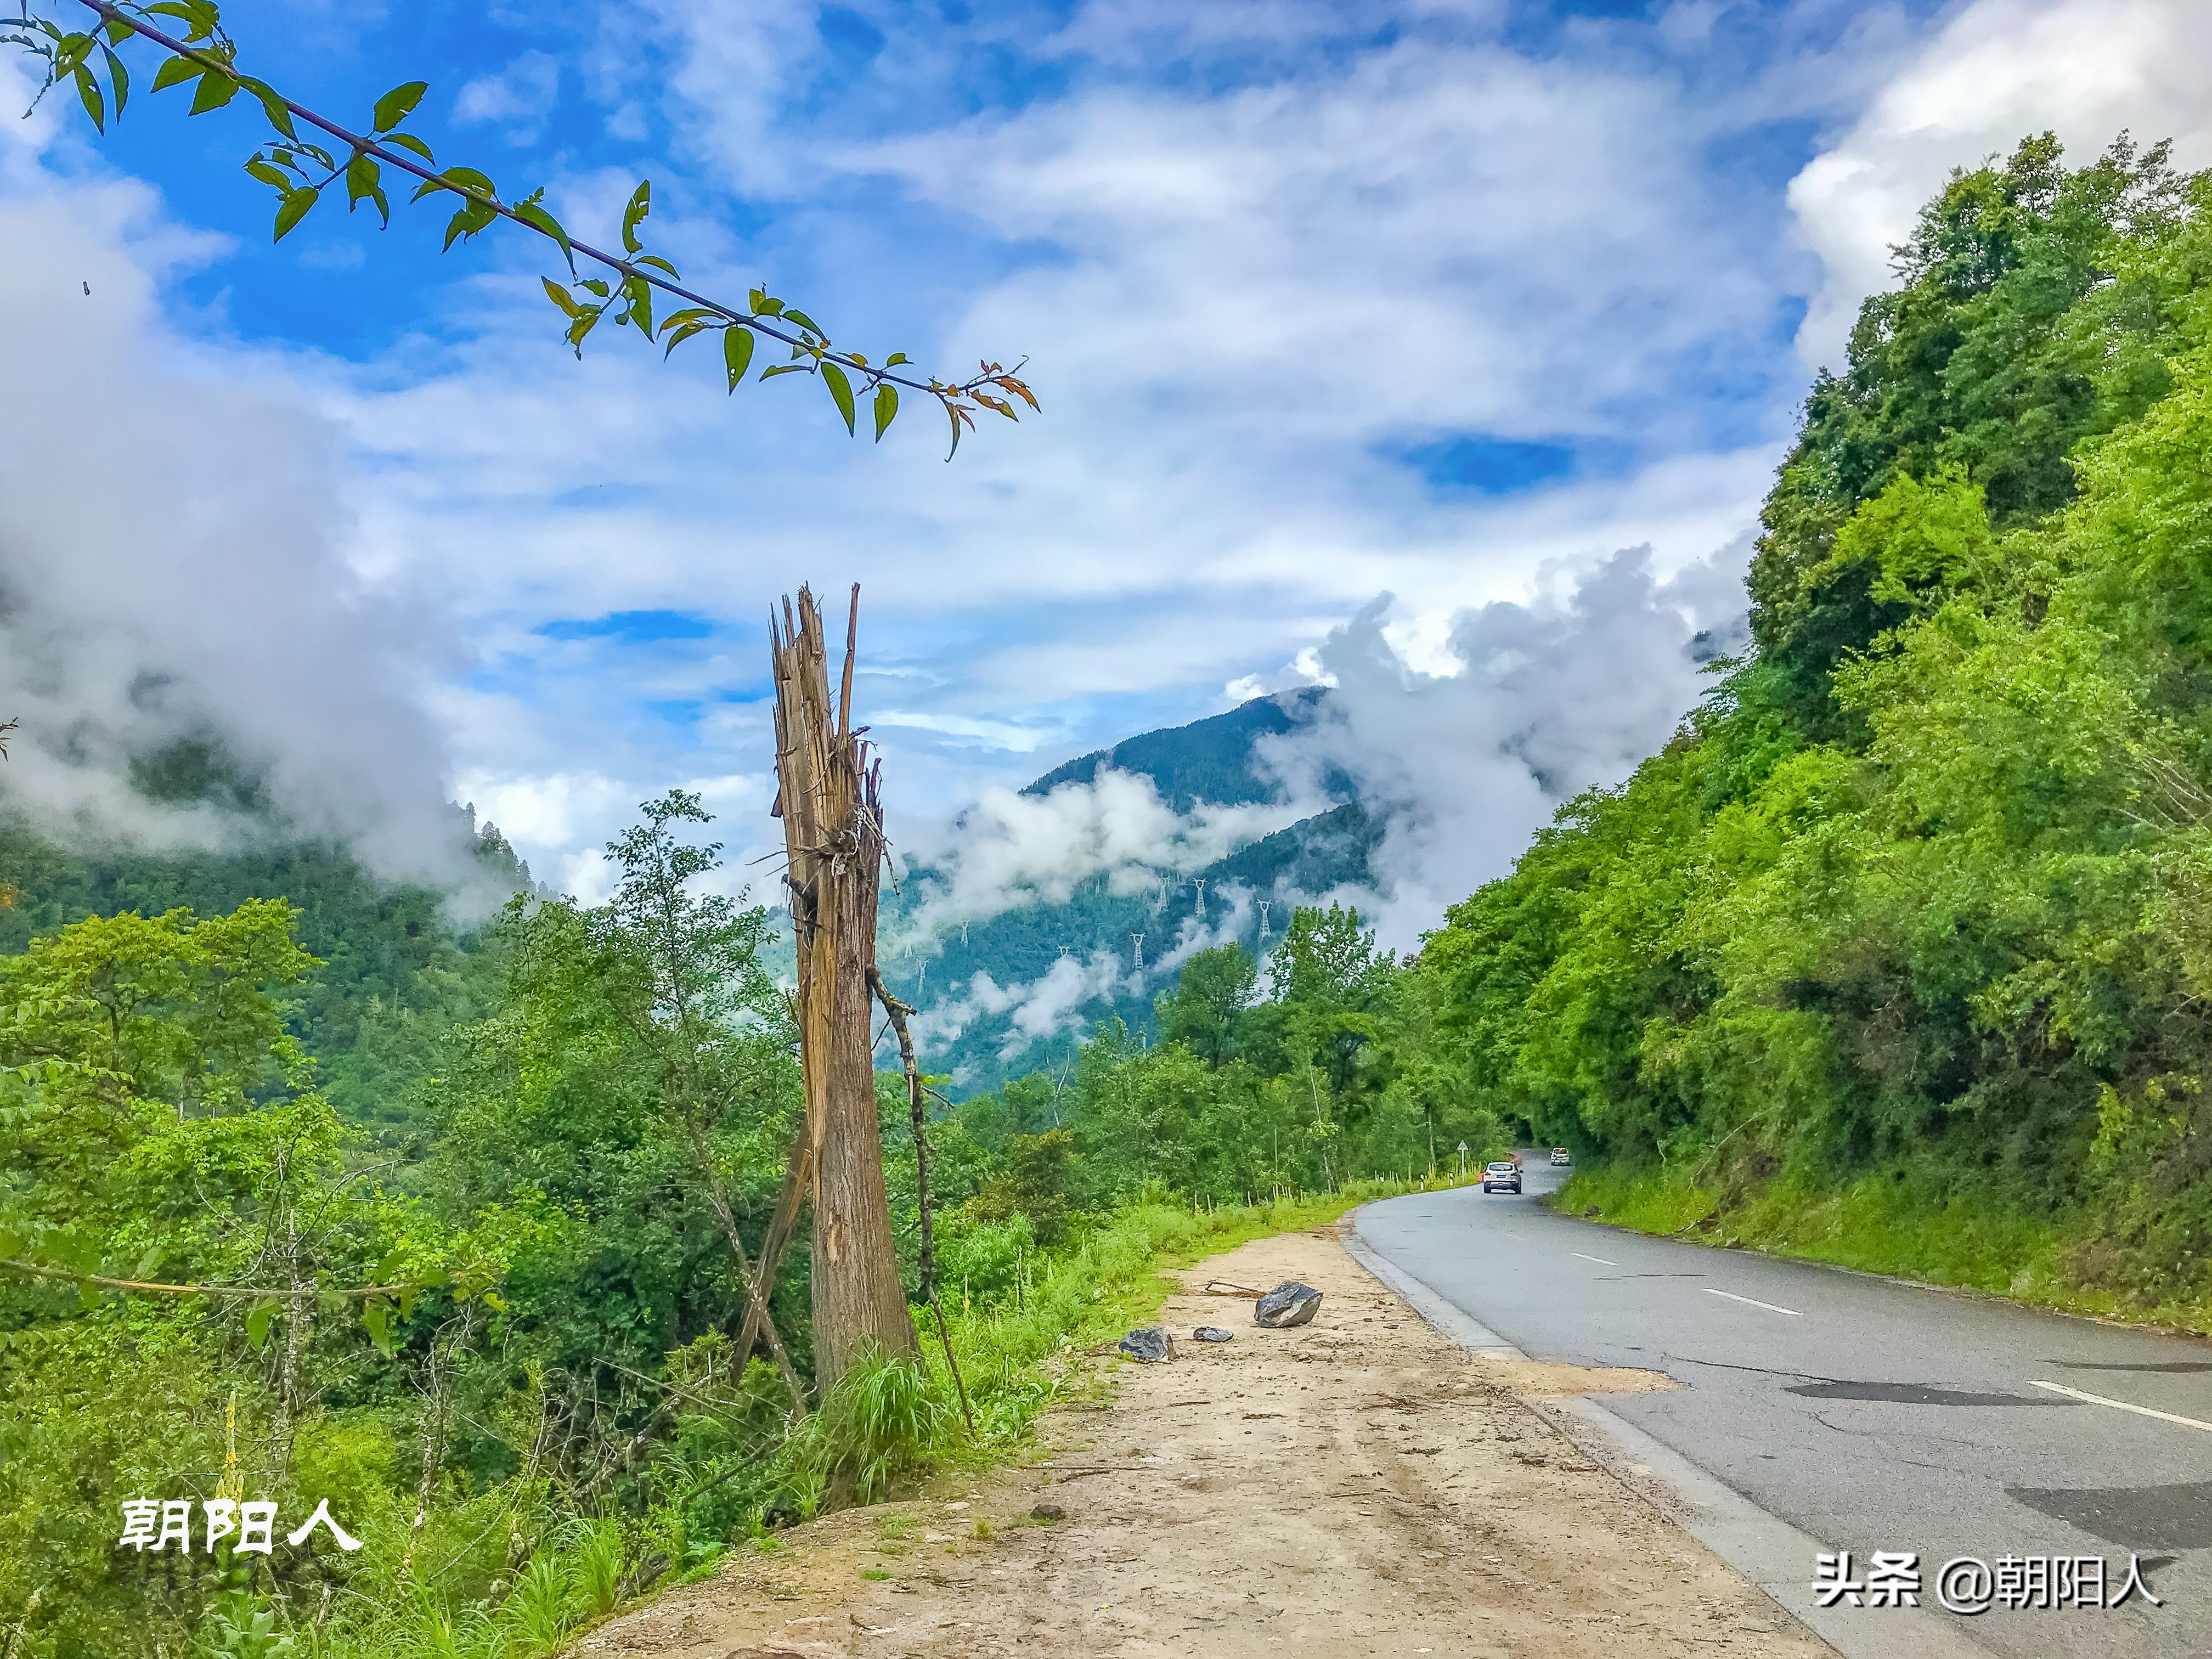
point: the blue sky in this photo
(1325, 302)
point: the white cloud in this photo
(1011, 849)
(1546, 700)
(521, 95)
(1996, 71)
(173, 559)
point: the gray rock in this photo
(1048, 1513)
(1211, 1333)
(1151, 1345)
(1289, 1303)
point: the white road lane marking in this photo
(1600, 1260)
(1749, 1303)
(2120, 1405)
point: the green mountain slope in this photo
(1208, 760)
(1027, 982)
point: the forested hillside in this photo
(1085, 937)
(1899, 952)
(400, 965)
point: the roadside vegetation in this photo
(1898, 954)
(503, 1350)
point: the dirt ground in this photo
(1358, 1487)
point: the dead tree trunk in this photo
(833, 832)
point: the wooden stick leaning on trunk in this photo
(780, 1226)
(897, 1011)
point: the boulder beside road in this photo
(1289, 1303)
(1151, 1345)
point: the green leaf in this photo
(895, 360)
(470, 179)
(294, 208)
(736, 352)
(216, 89)
(886, 408)
(397, 104)
(385, 1270)
(257, 1320)
(408, 141)
(121, 78)
(639, 293)
(540, 220)
(786, 368)
(597, 286)
(804, 321)
(840, 393)
(656, 261)
(274, 177)
(376, 1314)
(468, 222)
(94, 106)
(641, 203)
(362, 177)
(272, 106)
(766, 305)
(561, 297)
(200, 17)
(586, 320)
(677, 336)
(177, 69)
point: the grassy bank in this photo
(1889, 1221)
(883, 1430)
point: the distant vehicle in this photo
(1504, 1177)
(1561, 1155)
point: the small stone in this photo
(1047, 1513)
(1151, 1345)
(1289, 1303)
(1591, 1211)
(1211, 1333)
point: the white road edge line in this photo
(2120, 1405)
(1749, 1303)
(1600, 1260)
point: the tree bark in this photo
(828, 798)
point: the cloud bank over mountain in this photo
(173, 583)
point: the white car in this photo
(1561, 1155)
(1503, 1176)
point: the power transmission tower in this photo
(1263, 918)
(1139, 939)
(1200, 885)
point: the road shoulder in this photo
(1765, 1549)
(1362, 1484)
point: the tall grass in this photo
(883, 1428)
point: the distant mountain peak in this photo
(1208, 760)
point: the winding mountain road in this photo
(1864, 1413)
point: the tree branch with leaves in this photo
(627, 288)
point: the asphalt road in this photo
(1871, 1414)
